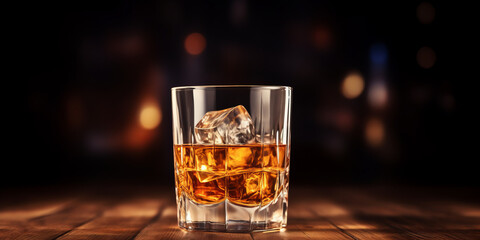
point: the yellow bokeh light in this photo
(352, 85)
(150, 117)
(375, 132)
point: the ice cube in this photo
(229, 126)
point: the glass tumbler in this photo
(232, 157)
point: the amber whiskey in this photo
(247, 175)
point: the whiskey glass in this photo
(231, 157)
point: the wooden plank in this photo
(14, 219)
(293, 231)
(166, 227)
(54, 225)
(303, 223)
(121, 222)
(290, 233)
(395, 218)
(442, 216)
(32, 210)
(366, 213)
(343, 218)
(318, 229)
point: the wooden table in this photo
(314, 213)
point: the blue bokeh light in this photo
(378, 53)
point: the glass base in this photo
(237, 226)
(229, 217)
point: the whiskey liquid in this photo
(247, 175)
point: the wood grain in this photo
(22, 220)
(120, 222)
(323, 213)
(393, 216)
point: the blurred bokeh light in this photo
(374, 132)
(426, 57)
(378, 94)
(352, 85)
(378, 54)
(425, 13)
(195, 43)
(379, 89)
(150, 117)
(322, 37)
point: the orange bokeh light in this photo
(374, 132)
(195, 43)
(352, 85)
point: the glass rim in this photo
(204, 87)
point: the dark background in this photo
(84, 69)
